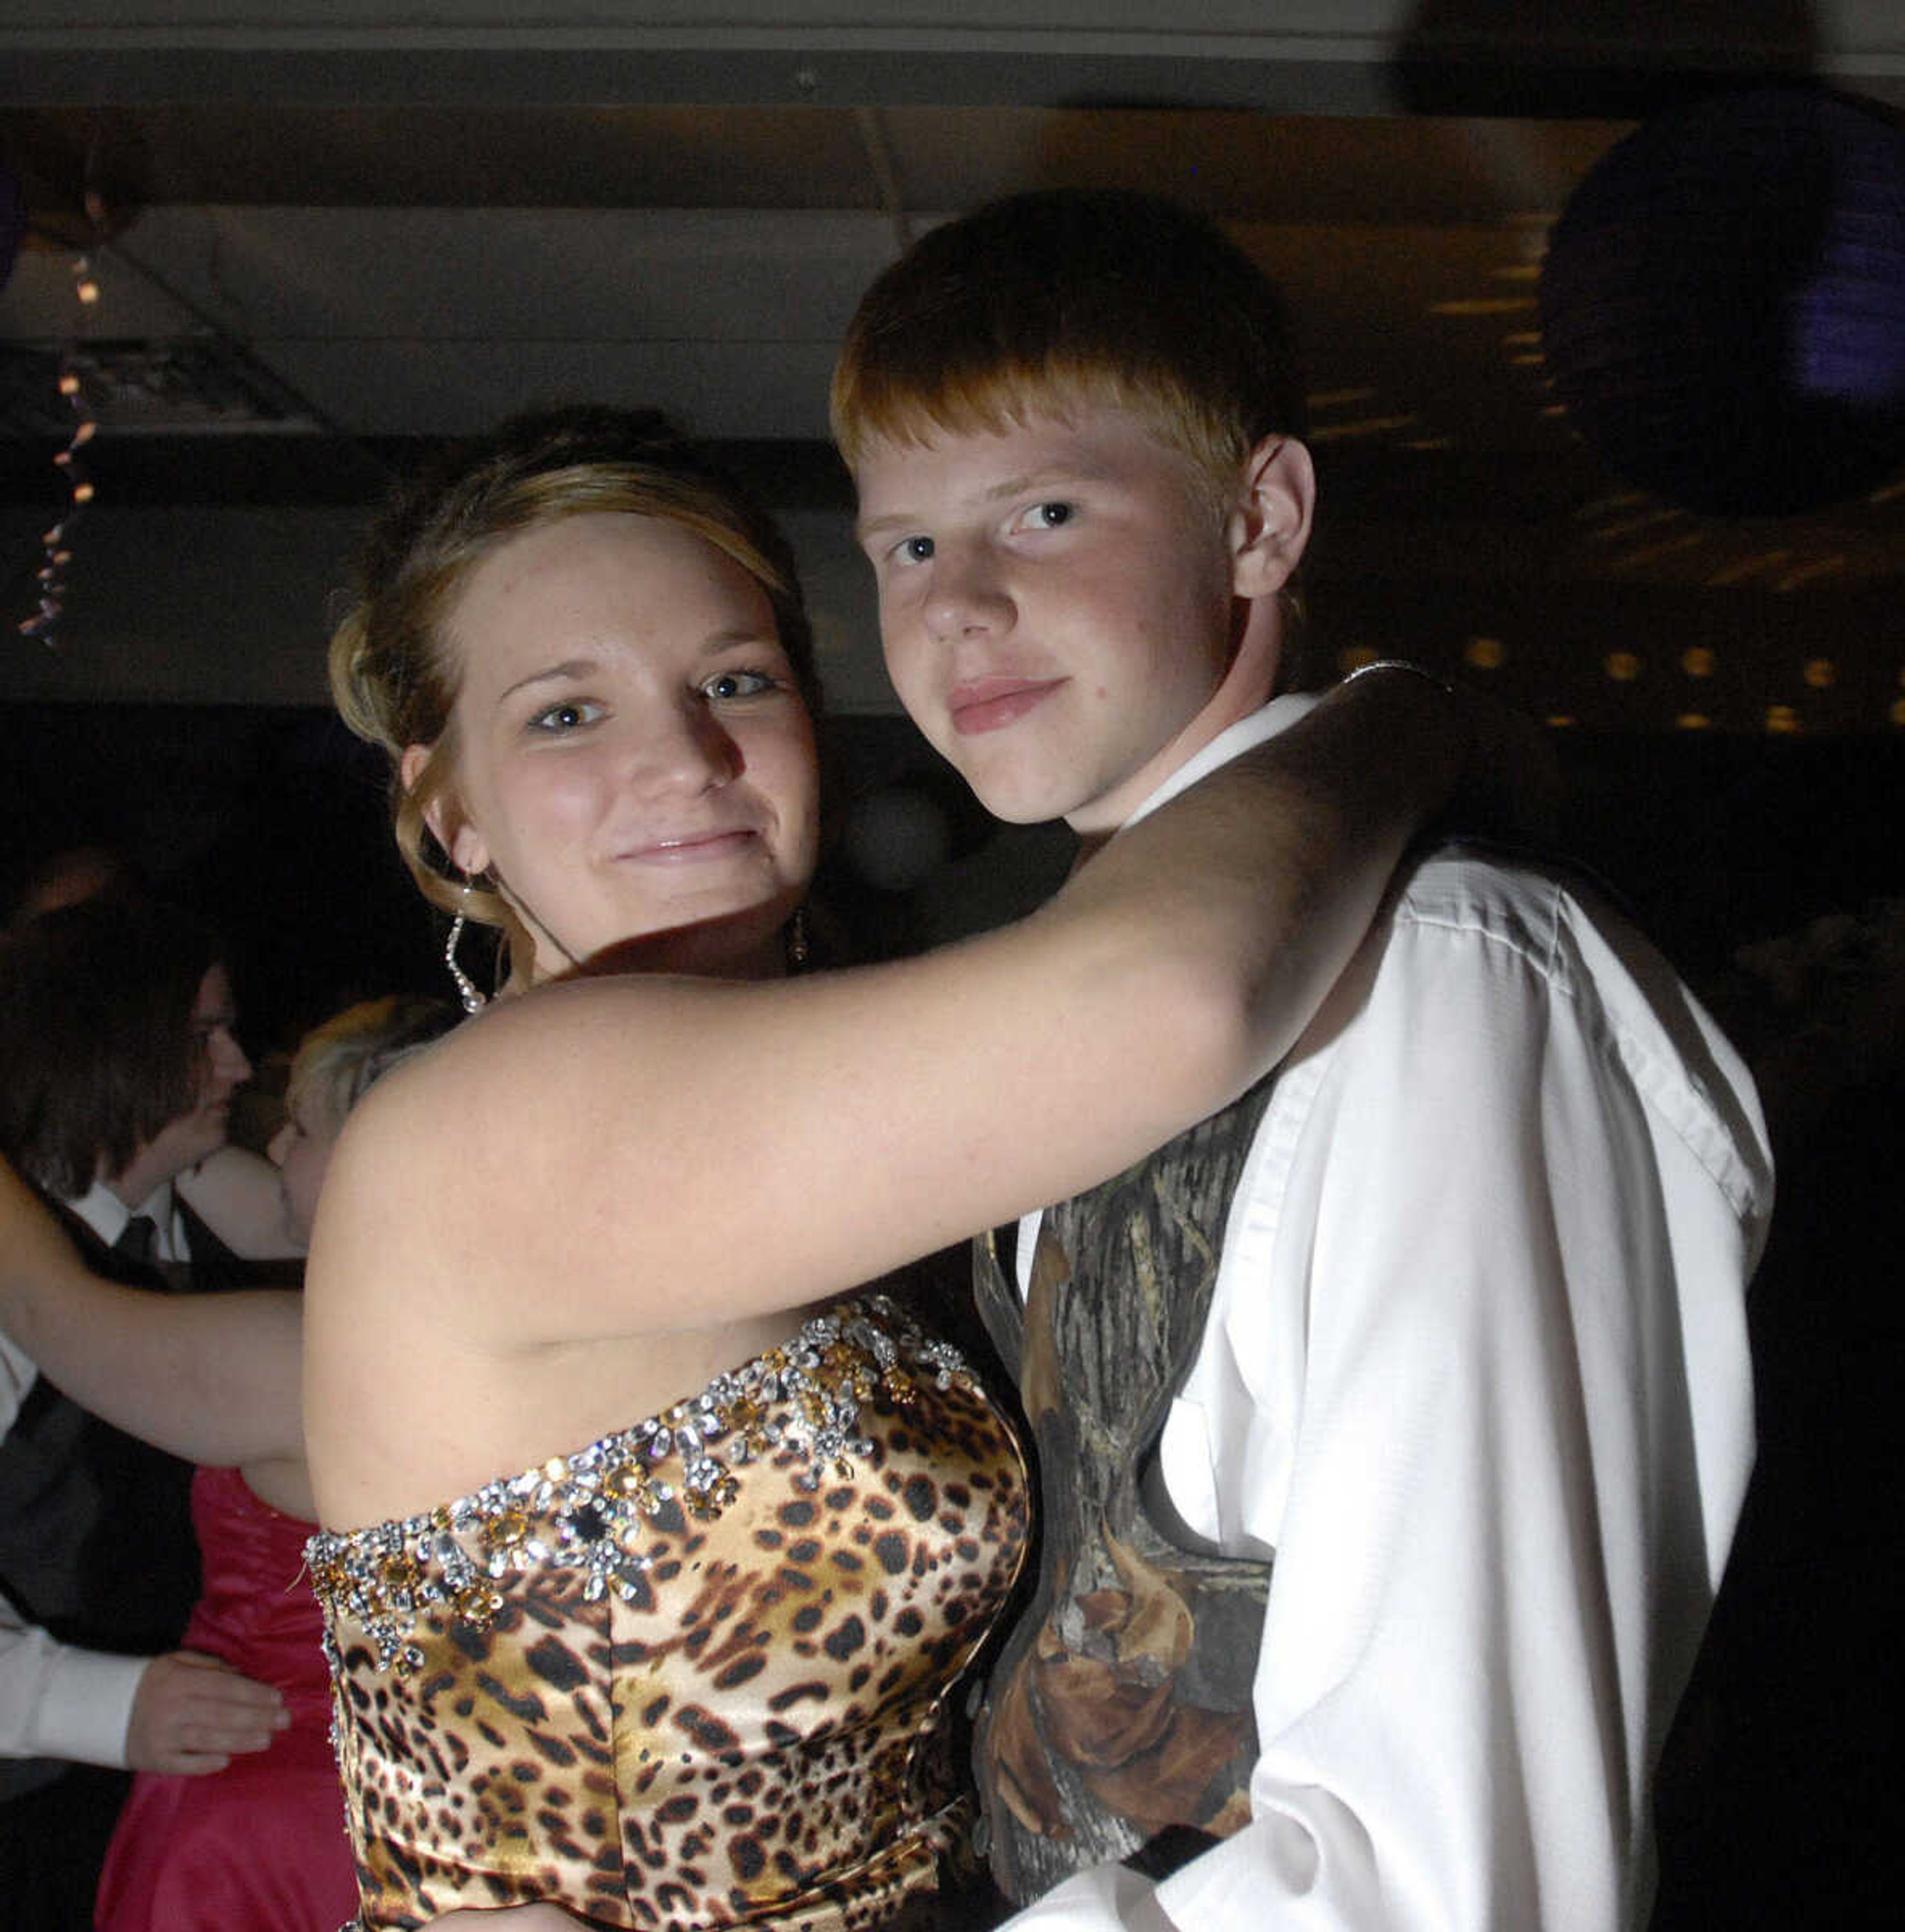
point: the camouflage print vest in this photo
(1118, 1721)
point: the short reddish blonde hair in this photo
(1045, 303)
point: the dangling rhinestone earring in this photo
(473, 1002)
(796, 941)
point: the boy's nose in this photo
(966, 596)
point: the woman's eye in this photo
(738, 684)
(1047, 516)
(569, 715)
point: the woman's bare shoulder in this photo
(450, 1173)
(379, 1206)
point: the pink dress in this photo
(259, 1847)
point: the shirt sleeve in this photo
(17, 1376)
(1478, 1377)
(58, 1701)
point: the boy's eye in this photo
(1047, 516)
(913, 550)
(569, 715)
(738, 684)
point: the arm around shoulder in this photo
(927, 1098)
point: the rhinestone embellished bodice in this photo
(694, 1675)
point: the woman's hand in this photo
(1510, 786)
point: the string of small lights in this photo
(43, 625)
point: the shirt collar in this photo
(106, 1215)
(1279, 715)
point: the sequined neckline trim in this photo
(593, 1510)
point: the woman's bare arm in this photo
(213, 1379)
(656, 1155)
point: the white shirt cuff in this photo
(87, 1707)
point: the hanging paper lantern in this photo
(1723, 304)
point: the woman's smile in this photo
(693, 848)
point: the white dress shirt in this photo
(1475, 1375)
(56, 1700)
(106, 1215)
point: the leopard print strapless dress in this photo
(702, 1673)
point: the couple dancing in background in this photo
(651, 1564)
(118, 1032)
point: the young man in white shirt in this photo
(1394, 1425)
(121, 1058)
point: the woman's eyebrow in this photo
(569, 667)
(747, 637)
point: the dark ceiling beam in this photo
(1608, 57)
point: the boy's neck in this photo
(1233, 701)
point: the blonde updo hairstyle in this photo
(339, 1061)
(394, 672)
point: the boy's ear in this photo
(458, 838)
(1269, 527)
